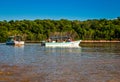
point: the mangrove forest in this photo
(38, 30)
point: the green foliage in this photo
(37, 30)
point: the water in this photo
(91, 62)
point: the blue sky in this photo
(59, 9)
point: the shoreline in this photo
(100, 41)
(83, 41)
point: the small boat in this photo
(14, 40)
(53, 42)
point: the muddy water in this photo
(91, 62)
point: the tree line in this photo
(38, 30)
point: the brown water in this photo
(92, 62)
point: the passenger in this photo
(69, 40)
(56, 40)
(64, 40)
(49, 40)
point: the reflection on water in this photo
(63, 50)
(32, 53)
(92, 62)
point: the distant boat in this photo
(53, 42)
(14, 40)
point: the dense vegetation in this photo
(37, 30)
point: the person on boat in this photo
(49, 40)
(69, 40)
(56, 40)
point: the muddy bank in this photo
(87, 70)
(16, 73)
(100, 41)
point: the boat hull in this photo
(15, 43)
(63, 44)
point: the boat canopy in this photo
(17, 38)
(59, 37)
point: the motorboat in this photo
(14, 40)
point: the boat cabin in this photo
(59, 39)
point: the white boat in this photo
(14, 40)
(61, 41)
(63, 44)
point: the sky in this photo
(59, 9)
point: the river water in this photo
(91, 62)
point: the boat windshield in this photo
(12, 38)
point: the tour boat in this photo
(65, 43)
